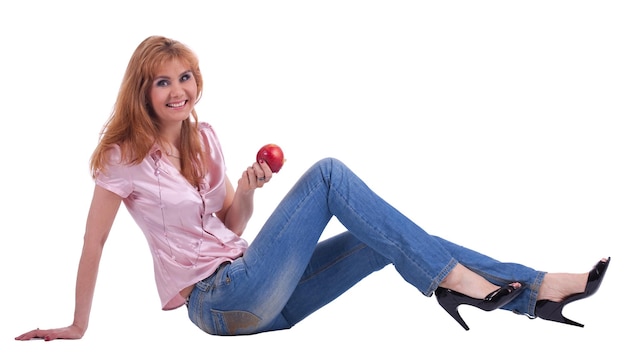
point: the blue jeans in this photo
(287, 273)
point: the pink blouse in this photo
(187, 241)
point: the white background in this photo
(495, 124)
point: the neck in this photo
(170, 133)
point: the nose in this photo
(177, 90)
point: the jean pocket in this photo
(234, 322)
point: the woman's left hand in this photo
(255, 176)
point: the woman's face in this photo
(173, 92)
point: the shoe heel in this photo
(447, 302)
(450, 301)
(553, 311)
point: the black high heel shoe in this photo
(553, 311)
(451, 300)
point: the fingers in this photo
(34, 334)
(265, 168)
(258, 174)
(71, 332)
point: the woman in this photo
(168, 170)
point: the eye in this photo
(185, 77)
(162, 83)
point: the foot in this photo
(464, 281)
(557, 286)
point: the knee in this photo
(328, 169)
(330, 163)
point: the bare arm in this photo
(104, 207)
(239, 204)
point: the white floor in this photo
(498, 125)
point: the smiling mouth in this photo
(177, 105)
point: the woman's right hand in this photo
(71, 332)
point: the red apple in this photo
(273, 155)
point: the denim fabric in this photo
(287, 273)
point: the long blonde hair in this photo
(132, 124)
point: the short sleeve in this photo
(116, 177)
